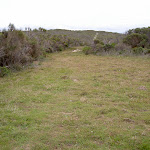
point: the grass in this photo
(76, 101)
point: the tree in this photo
(42, 29)
(11, 27)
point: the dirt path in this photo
(95, 37)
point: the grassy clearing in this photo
(74, 101)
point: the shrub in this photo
(16, 48)
(87, 50)
(136, 40)
(107, 47)
(4, 71)
(138, 50)
(96, 41)
(141, 50)
(122, 48)
(147, 51)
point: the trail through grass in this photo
(76, 101)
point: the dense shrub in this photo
(139, 40)
(108, 47)
(4, 71)
(140, 51)
(87, 50)
(141, 31)
(16, 48)
(136, 40)
(96, 41)
(99, 48)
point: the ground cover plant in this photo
(76, 101)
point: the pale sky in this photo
(108, 15)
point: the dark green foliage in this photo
(136, 40)
(142, 31)
(141, 51)
(108, 47)
(147, 51)
(96, 41)
(87, 50)
(139, 40)
(98, 48)
(138, 50)
(139, 30)
(42, 29)
(4, 71)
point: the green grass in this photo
(76, 101)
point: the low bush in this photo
(96, 41)
(108, 47)
(4, 71)
(87, 50)
(141, 51)
(138, 50)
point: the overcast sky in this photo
(108, 15)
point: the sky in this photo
(103, 15)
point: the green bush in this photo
(107, 47)
(136, 40)
(87, 50)
(4, 71)
(96, 41)
(147, 51)
(138, 50)
(141, 50)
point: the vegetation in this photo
(71, 100)
(16, 49)
(135, 42)
(76, 101)
(19, 49)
